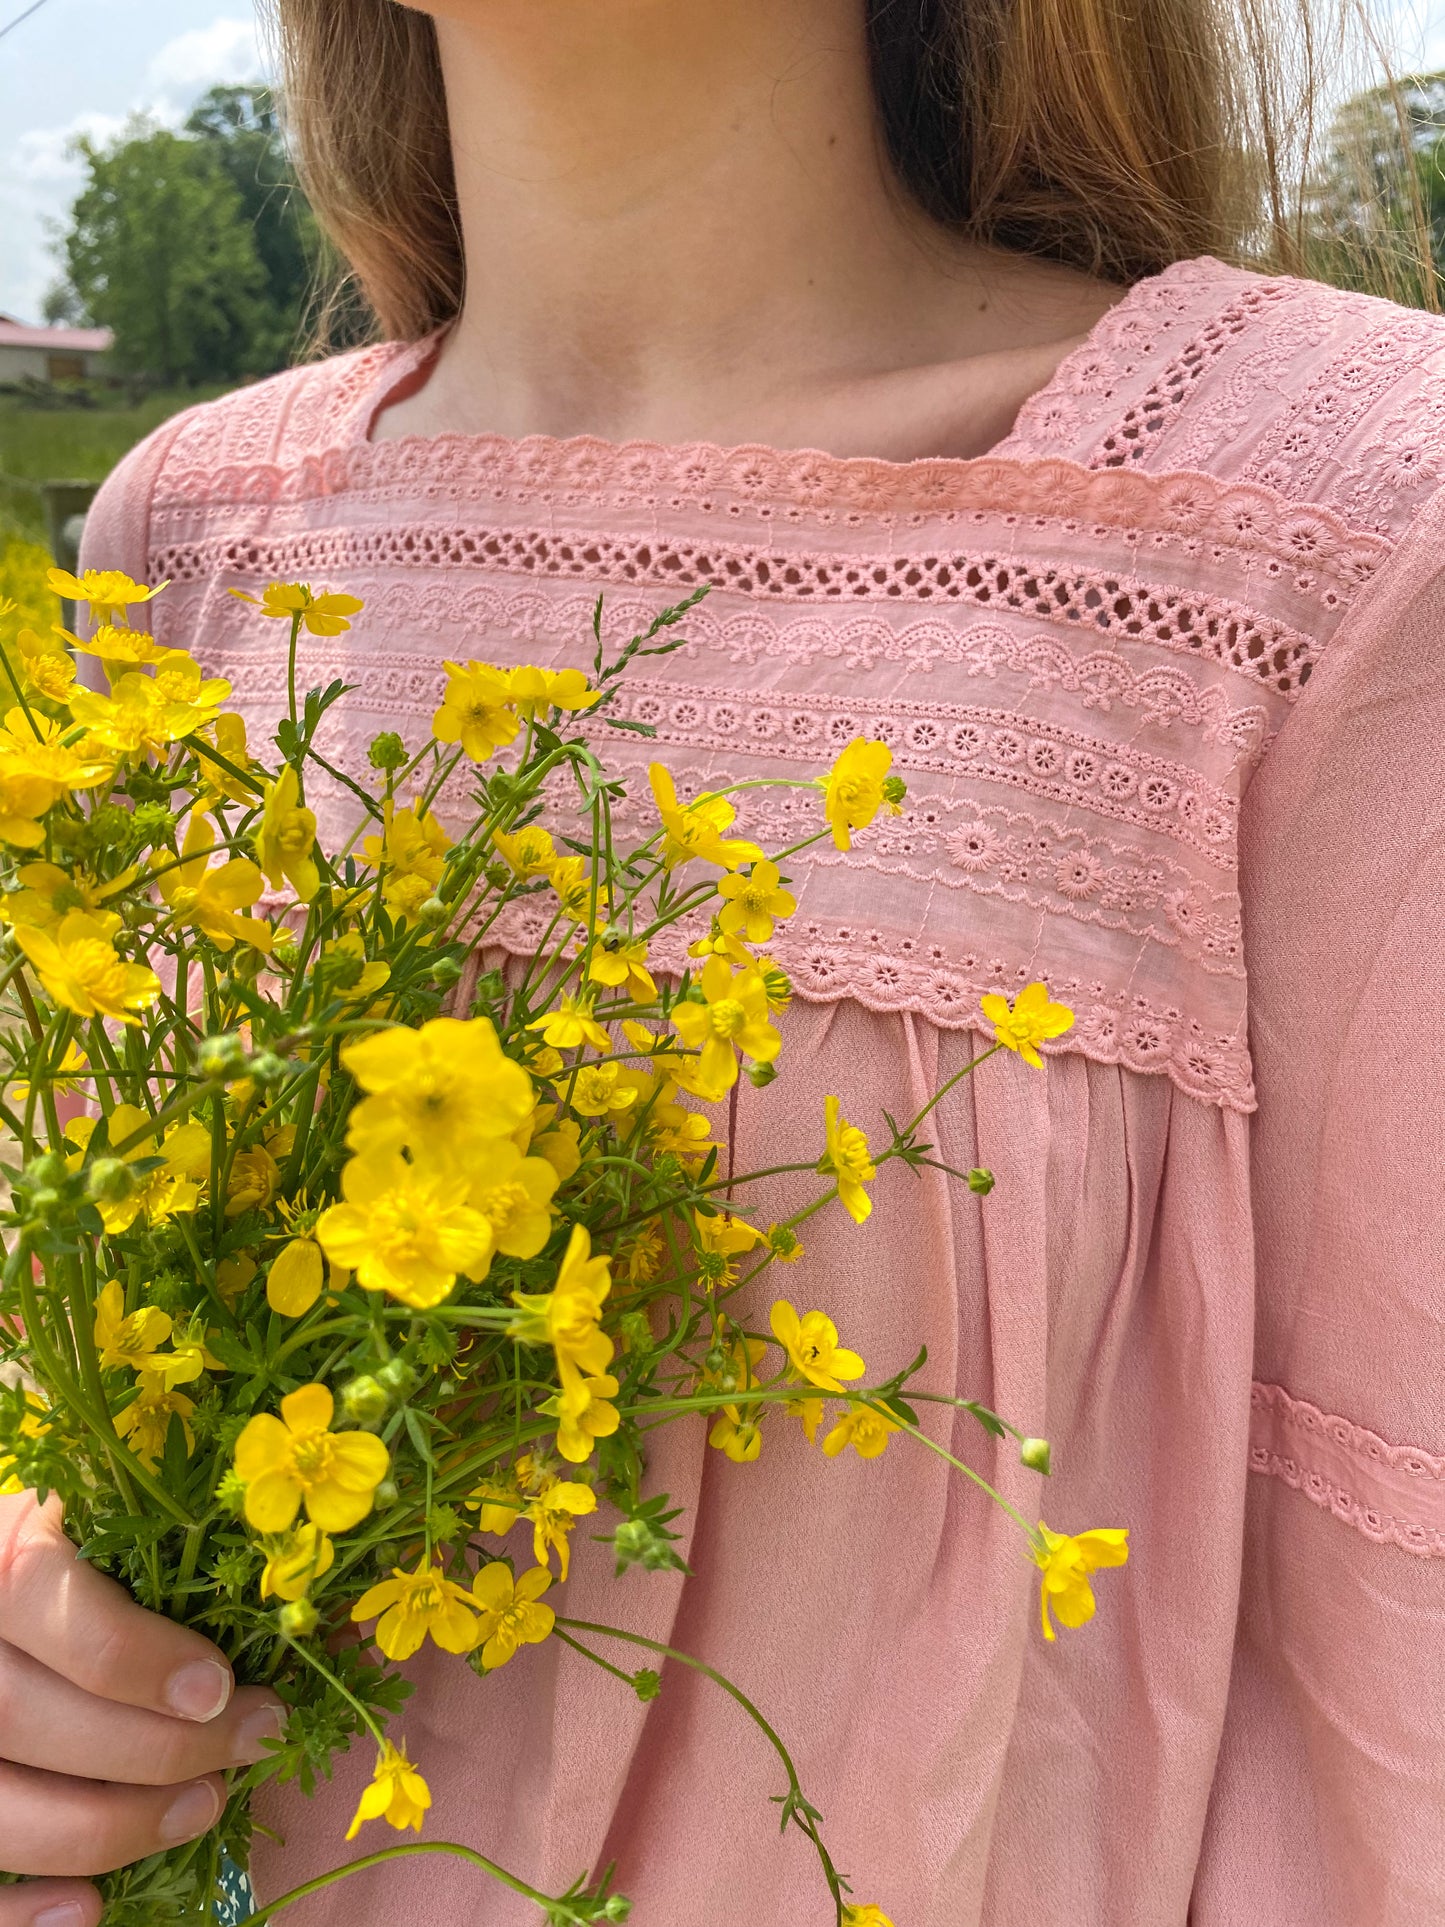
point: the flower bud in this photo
(1034, 1453)
(647, 1684)
(445, 972)
(432, 914)
(364, 1401)
(387, 751)
(980, 1182)
(386, 1494)
(267, 1068)
(223, 1056)
(46, 1170)
(397, 1378)
(894, 790)
(761, 1075)
(618, 1907)
(109, 1181)
(297, 1618)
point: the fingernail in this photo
(198, 1691)
(190, 1813)
(257, 1734)
(70, 1913)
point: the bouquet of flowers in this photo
(345, 1269)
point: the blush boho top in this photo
(1165, 674)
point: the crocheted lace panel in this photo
(1078, 648)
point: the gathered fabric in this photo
(1165, 675)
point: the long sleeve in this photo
(1329, 1805)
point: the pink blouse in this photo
(1165, 674)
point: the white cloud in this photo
(227, 50)
(43, 155)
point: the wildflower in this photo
(783, 1242)
(412, 1605)
(109, 592)
(865, 1430)
(255, 1176)
(731, 1018)
(533, 689)
(47, 893)
(498, 1503)
(397, 1794)
(808, 1411)
(1027, 1022)
(127, 1343)
(211, 899)
(476, 710)
(529, 852)
(23, 799)
(684, 1134)
(619, 962)
(596, 1089)
(857, 787)
(405, 1229)
(777, 984)
(80, 971)
(445, 1088)
(146, 1421)
(847, 1159)
(514, 1194)
(410, 854)
(510, 1614)
(562, 1148)
(47, 668)
(568, 1317)
(170, 1187)
(735, 1430)
(293, 1560)
(32, 1426)
(697, 829)
(586, 1414)
(738, 1438)
(752, 902)
(188, 1357)
(553, 1513)
(295, 1279)
(346, 972)
(63, 1079)
(720, 1240)
(869, 1916)
(572, 881)
(571, 1025)
(1066, 1563)
(119, 650)
(811, 1343)
(228, 733)
(233, 1274)
(285, 842)
(33, 750)
(298, 1459)
(323, 615)
(642, 1256)
(718, 943)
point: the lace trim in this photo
(890, 974)
(1393, 1494)
(1213, 628)
(1130, 440)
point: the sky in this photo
(83, 66)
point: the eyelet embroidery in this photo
(1393, 1494)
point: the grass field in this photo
(59, 445)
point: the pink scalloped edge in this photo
(1393, 1494)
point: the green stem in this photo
(559, 1913)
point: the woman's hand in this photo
(114, 1724)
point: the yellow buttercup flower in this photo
(514, 1194)
(297, 1459)
(188, 1357)
(532, 689)
(397, 1794)
(857, 787)
(323, 615)
(413, 1606)
(285, 842)
(866, 1431)
(510, 1612)
(498, 1503)
(293, 1560)
(80, 971)
(47, 668)
(553, 1513)
(173, 1186)
(811, 1343)
(597, 1089)
(445, 1089)
(572, 881)
(1026, 1022)
(119, 650)
(530, 852)
(869, 1916)
(721, 1240)
(406, 1229)
(23, 800)
(295, 1280)
(619, 962)
(127, 1343)
(568, 1317)
(228, 734)
(211, 898)
(410, 853)
(147, 1419)
(32, 1426)
(109, 592)
(848, 1160)
(571, 1025)
(64, 1079)
(346, 971)
(737, 1437)
(1066, 1563)
(477, 710)
(696, 831)
(586, 1414)
(48, 893)
(732, 1018)
(751, 903)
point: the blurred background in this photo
(154, 249)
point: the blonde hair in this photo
(1113, 135)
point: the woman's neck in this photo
(680, 225)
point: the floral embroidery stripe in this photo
(1393, 1494)
(1262, 649)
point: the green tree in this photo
(159, 250)
(1378, 195)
